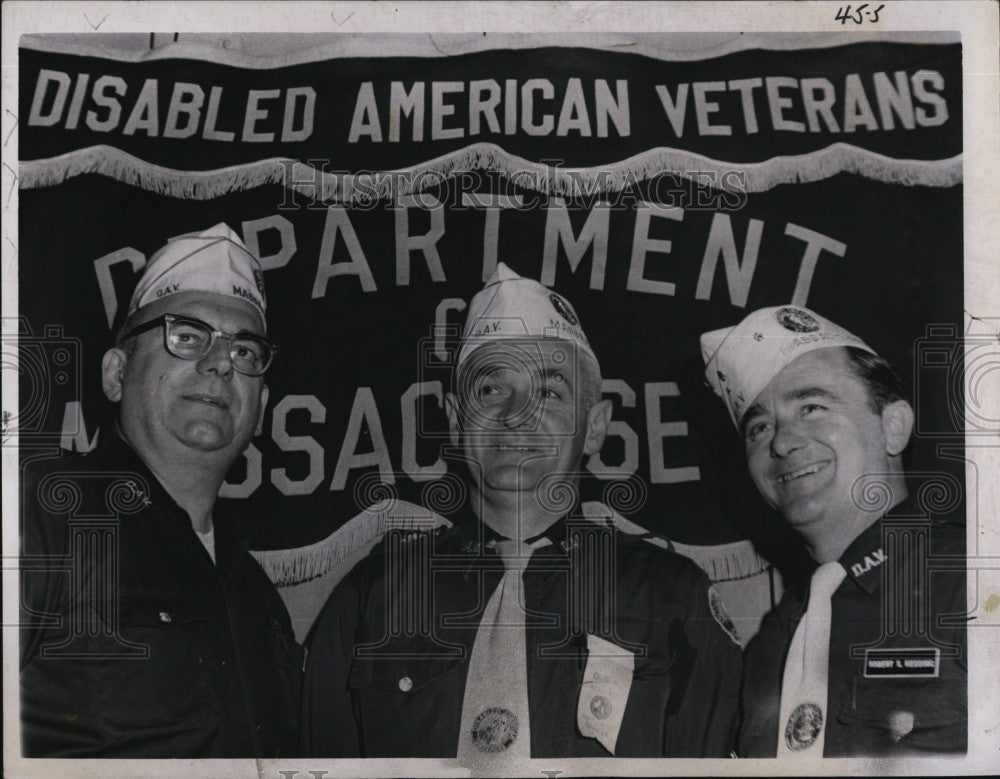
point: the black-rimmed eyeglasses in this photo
(191, 339)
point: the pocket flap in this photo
(402, 666)
(913, 709)
(152, 610)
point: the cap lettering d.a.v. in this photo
(215, 261)
(510, 306)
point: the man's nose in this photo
(218, 360)
(519, 410)
(786, 439)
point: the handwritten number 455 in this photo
(844, 15)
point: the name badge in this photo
(893, 663)
(607, 680)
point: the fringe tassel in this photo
(669, 47)
(288, 567)
(128, 169)
(722, 562)
(568, 182)
(725, 562)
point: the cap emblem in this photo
(564, 309)
(796, 320)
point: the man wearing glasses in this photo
(148, 630)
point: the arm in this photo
(704, 722)
(47, 687)
(43, 545)
(328, 727)
(276, 678)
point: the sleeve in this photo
(328, 724)
(43, 576)
(947, 701)
(289, 657)
(46, 686)
(704, 722)
(763, 669)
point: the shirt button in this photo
(900, 724)
(165, 617)
(406, 684)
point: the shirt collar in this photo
(475, 535)
(231, 539)
(864, 558)
(114, 450)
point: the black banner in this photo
(663, 198)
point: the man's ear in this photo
(112, 368)
(263, 408)
(451, 409)
(598, 419)
(897, 425)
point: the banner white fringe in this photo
(722, 562)
(289, 567)
(367, 188)
(667, 47)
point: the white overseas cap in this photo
(513, 307)
(741, 360)
(214, 261)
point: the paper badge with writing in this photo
(607, 680)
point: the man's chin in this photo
(205, 437)
(803, 513)
(511, 478)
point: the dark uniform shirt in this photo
(898, 666)
(389, 654)
(133, 643)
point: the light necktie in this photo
(802, 722)
(495, 705)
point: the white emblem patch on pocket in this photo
(607, 680)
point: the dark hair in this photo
(883, 383)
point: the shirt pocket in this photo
(652, 696)
(890, 715)
(407, 704)
(162, 676)
(652, 681)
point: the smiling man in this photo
(148, 630)
(526, 630)
(868, 658)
